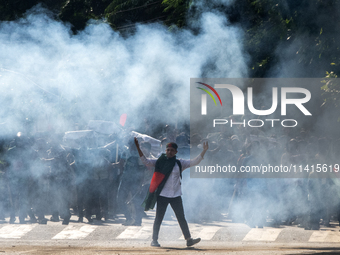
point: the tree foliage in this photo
(176, 10)
(14, 9)
(306, 28)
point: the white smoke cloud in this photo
(45, 68)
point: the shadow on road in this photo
(314, 250)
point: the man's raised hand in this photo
(205, 146)
(138, 149)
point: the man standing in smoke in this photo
(19, 160)
(130, 188)
(256, 191)
(83, 181)
(165, 188)
(61, 179)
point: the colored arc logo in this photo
(209, 93)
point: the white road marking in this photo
(333, 237)
(318, 236)
(144, 233)
(205, 233)
(208, 232)
(15, 231)
(325, 236)
(129, 232)
(75, 232)
(262, 234)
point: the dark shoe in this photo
(136, 224)
(155, 243)
(66, 221)
(80, 219)
(42, 221)
(192, 241)
(128, 222)
(90, 220)
(54, 219)
(315, 227)
(12, 220)
(33, 220)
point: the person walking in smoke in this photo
(165, 188)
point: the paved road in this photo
(217, 237)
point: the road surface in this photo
(220, 237)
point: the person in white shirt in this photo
(165, 188)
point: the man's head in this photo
(171, 150)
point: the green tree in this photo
(176, 12)
(14, 9)
(124, 14)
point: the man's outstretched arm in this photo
(138, 148)
(146, 161)
(193, 162)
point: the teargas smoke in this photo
(55, 86)
(52, 82)
(52, 78)
(271, 149)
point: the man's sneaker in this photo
(191, 242)
(155, 243)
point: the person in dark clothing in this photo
(84, 181)
(61, 179)
(256, 189)
(19, 178)
(41, 181)
(101, 170)
(130, 188)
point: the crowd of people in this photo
(42, 176)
